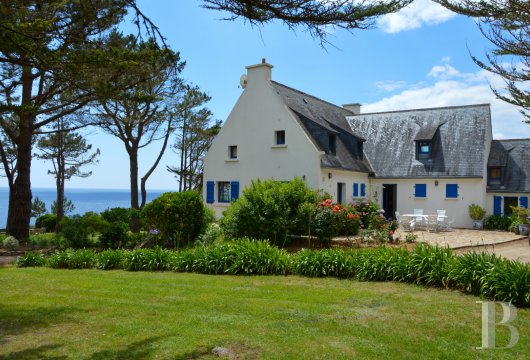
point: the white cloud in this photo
(390, 85)
(450, 87)
(420, 12)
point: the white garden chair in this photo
(405, 223)
(419, 219)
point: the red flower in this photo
(336, 208)
(350, 216)
(328, 201)
(344, 210)
(391, 232)
(357, 216)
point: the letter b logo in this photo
(488, 324)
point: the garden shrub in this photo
(110, 259)
(157, 259)
(497, 222)
(178, 216)
(43, 240)
(31, 259)
(382, 264)
(10, 243)
(430, 265)
(82, 231)
(115, 235)
(270, 210)
(327, 262)
(72, 259)
(212, 233)
(508, 280)
(117, 214)
(46, 221)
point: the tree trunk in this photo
(59, 180)
(10, 208)
(19, 222)
(133, 162)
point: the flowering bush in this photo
(373, 218)
(331, 220)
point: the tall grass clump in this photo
(430, 265)
(328, 262)
(31, 259)
(110, 259)
(468, 272)
(382, 264)
(72, 259)
(508, 280)
(157, 259)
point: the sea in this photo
(84, 200)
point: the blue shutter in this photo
(234, 190)
(451, 191)
(421, 190)
(363, 190)
(210, 186)
(355, 189)
(497, 205)
(524, 201)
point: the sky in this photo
(416, 58)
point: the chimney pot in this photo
(263, 61)
(355, 108)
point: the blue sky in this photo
(414, 59)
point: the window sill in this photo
(231, 160)
(221, 203)
(420, 198)
(283, 146)
(452, 198)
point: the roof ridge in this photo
(422, 109)
(313, 96)
(520, 139)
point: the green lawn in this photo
(91, 314)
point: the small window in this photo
(232, 151)
(424, 149)
(224, 191)
(494, 176)
(280, 137)
(333, 144)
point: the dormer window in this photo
(495, 175)
(423, 149)
(332, 144)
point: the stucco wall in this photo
(329, 185)
(251, 126)
(470, 192)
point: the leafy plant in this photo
(476, 212)
(46, 221)
(115, 235)
(270, 210)
(72, 259)
(10, 243)
(213, 233)
(81, 231)
(157, 259)
(31, 259)
(497, 222)
(327, 262)
(178, 216)
(110, 259)
(411, 237)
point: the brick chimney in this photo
(259, 73)
(355, 108)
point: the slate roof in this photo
(319, 118)
(458, 147)
(514, 157)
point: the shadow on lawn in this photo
(136, 350)
(34, 354)
(16, 320)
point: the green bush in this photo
(110, 259)
(476, 212)
(508, 280)
(382, 264)
(117, 214)
(10, 243)
(430, 265)
(212, 233)
(497, 222)
(328, 262)
(82, 231)
(72, 259)
(468, 272)
(31, 259)
(234, 257)
(43, 240)
(115, 235)
(46, 221)
(270, 210)
(179, 216)
(157, 259)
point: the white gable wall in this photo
(251, 125)
(329, 179)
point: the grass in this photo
(92, 314)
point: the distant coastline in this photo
(84, 199)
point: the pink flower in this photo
(350, 216)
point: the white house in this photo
(442, 158)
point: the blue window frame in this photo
(451, 191)
(420, 190)
(523, 200)
(497, 205)
(210, 187)
(355, 189)
(363, 190)
(223, 191)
